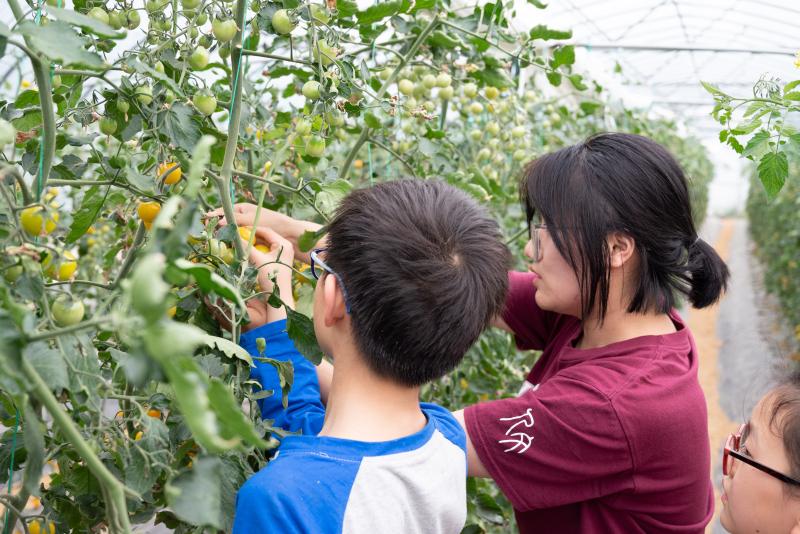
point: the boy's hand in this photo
(273, 264)
(289, 228)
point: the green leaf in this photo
(379, 12)
(179, 126)
(537, 3)
(554, 78)
(233, 423)
(791, 85)
(195, 495)
(27, 99)
(229, 348)
(372, 121)
(563, 55)
(86, 23)
(773, 169)
(346, 8)
(308, 239)
(209, 281)
(90, 208)
(577, 82)
(150, 72)
(33, 437)
(713, 89)
(757, 144)
(50, 365)
(285, 372)
(794, 95)
(59, 43)
(328, 199)
(301, 330)
(543, 32)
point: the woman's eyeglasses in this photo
(733, 451)
(319, 267)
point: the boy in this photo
(412, 272)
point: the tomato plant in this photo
(114, 288)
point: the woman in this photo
(609, 432)
(761, 467)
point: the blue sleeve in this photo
(305, 411)
(446, 423)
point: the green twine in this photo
(236, 82)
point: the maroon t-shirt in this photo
(612, 439)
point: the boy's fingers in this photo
(272, 237)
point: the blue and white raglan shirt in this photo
(319, 484)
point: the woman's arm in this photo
(475, 467)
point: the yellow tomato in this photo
(63, 267)
(262, 248)
(245, 232)
(358, 164)
(173, 177)
(148, 211)
(35, 221)
(154, 413)
(138, 436)
(34, 503)
(171, 311)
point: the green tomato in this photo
(144, 94)
(335, 118)
(116, 20)
(475, 134)
(325, 53)
(520, 154)
(311, 89)
(224, 51)
(12, 274)
(190, 4)
(282, 22)
(320, 14)
(224, 30)
(169, 96)
(199, 58)
(147, 290)
(108, 126)
(204, 102)
(56, 81)
(67, 311)
(475, 108)
(484, 153)
(202, 18)
(446, 93)
(491, 92)
(159, 67)
(8, 135)
(205, 41)
(406, 86)
(303, 127)
(315, 146)
(98, 13)
(385, 73)
(518, 132)
(133, 19)
(530, 96)
(193, 32)
(493, 128)
(470, 90)
(429, 106)
(443, 80)
(429, 81)
(123, 106)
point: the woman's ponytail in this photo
(709, 274)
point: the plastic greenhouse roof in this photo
(665, 47)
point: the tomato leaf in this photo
(301, 330)
(91, 205)
(195, 495)
(773, 169)
(86, 23)
(59, 43)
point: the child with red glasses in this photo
(761, 467)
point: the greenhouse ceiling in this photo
(665, 47)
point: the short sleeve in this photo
(558, 444)
(533, 327)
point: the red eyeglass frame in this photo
(731, 450)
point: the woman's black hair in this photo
(615, 182)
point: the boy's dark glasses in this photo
(319, 267)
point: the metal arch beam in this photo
(652, 48)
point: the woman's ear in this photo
(334, 309)
(621, 246)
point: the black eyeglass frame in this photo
(316, 261)
(731, 449)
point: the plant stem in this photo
(48, 334)
(273, 56)
(126, 266)
(385, 87)
(395, 154)
(226, 175)
(41, 71)
(113, 490)
(26, 195)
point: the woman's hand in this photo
(287, 227)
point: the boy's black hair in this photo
(425, 271)
(615, 182)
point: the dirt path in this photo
(736, 340)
